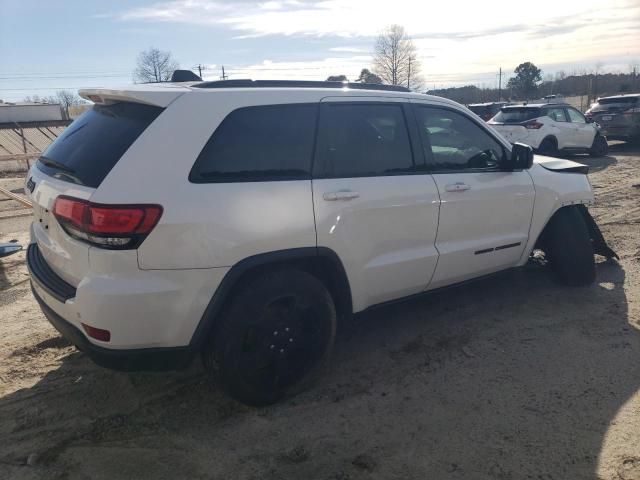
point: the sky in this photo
(49, 45)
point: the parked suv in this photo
(619, 116)
(240, 220)
(486, 111)
(550, 128)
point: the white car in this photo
(239, 220)
(550, 128)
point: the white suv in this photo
(241, 219)
(550, 128)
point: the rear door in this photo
(375, 206)
(485, 213)
(75, 165)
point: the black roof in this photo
(298, 84)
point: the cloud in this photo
(298, 70)
(453, 37)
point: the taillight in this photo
(532, 125)
(106, 226)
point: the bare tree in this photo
(154, 65)
(395, 58)
(68, 99)
(367, 77)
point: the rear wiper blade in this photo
(52, 163)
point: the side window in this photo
(575, 116)
(362, 140)
(264, 143)
(456, 142)
(556, 114)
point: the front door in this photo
(485, 213)
(585, 132)
(373, 205)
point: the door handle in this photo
(457, 187)
(340, 195)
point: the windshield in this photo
(516, 115)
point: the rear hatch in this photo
(75, 165)
(615, 111)
(514, 123)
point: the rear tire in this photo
(549, 147)
(567, 246)
(600, 147)
(274, 337)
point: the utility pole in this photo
(200, 68)
(223, 77)
(500, 85)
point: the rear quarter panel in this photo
(208, 225)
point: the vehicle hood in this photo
(560, 165)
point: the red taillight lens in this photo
(109, 226)
(533, 125)
(97, 333)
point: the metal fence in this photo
(21, 143)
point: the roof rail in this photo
(298, 84)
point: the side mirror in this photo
(521, 156)
(7, 249)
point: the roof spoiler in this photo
(157, 95)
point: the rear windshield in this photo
(517, 115)
(91, 146)
(479, 109)
(615, 103)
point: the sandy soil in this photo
(510, 378)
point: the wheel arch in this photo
(552, 138)
(321, 262)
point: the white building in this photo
(20, 112)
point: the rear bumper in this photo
(150, 359)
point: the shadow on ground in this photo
(512, 377)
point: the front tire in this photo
(567, 246)
(600, 147)
(274, 337)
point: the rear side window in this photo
(362, 140)
(265, 143)
(92, 145)
(556, 114)
(516, 115)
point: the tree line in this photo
(591, 85)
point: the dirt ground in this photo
(509, 378)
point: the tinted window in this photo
(454, 142)
(91, 146)
(358, 140)
(273, 142)
(556, 114)
(516, 115)
(575, 116)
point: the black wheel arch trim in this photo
(234, 275)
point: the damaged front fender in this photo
(597, 239)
